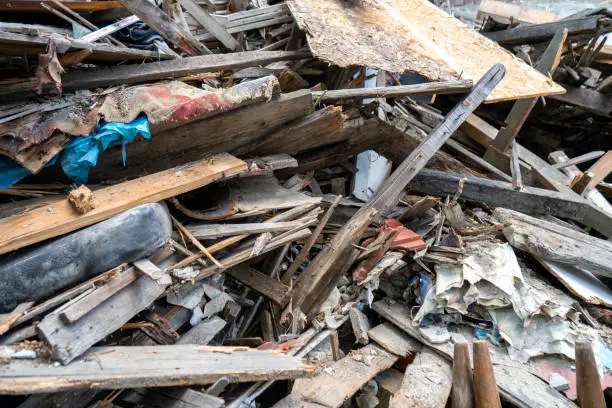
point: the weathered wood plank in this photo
(157, 19)
(344, 378)
(530, 200)
(530, 33)
(149, 366)
(109, 29)
(427, 382)
(170, 397)
(60, 217)
(261, 283)
(458, 86)
(208, 231)
(394, 340)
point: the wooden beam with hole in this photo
(61, 218)
(149, 366)
(261, 283)
(158, 20)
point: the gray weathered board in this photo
(148, 366)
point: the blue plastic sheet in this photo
(82, 152)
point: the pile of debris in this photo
(310, 203)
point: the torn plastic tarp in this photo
(82, 152)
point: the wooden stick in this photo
(195, 241)
(485, 388)
(288, 275)
(458, 86)
(590, 394)
(109, 29)
(462, 394)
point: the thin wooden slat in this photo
(60, 218)
(149, 366)
(261, 283)
(210, 24)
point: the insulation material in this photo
(418, 37)
(162, 103)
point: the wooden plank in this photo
(344, 378)
(530, 200)
(314, 282)
(566, 162)
(394, 340)
(418, 37)
(485, 389)
(68, 341)
(220, 133)
(207, 231)
(521, 109)
(251, 26)
(524, 34)
(427, 382)
(109, 29)
(81, 6)
(459, 86)
(125, 74)
(60, 217)
(157, 19)
(515, 382)
(82, 306)
(210, 24)
(149, 366)
(261, 283)
(599, 170)
(507, 13)
(552, 242)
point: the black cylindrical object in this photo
(36, 273)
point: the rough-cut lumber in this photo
(394, 340)
(316, 280)
(459, 86)
(344, 378)
(417, 36)
(462, 391)
(208, 22)
(157, 19)
(485, 389)
(67, 341)
(130, 74)
(553, 242)
(208, 231)
(507, 13)
(530, 200)
(427, 382)
(80, 306)
(521, 109)
(149, 366)
(587, 377)
(515, 382)
(60, 218)
(540, 32)
(261, 283)
(220, 133)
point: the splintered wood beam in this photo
(531, 33)
(529, 200)
(37, 225)
(331, 388)
(261, 283)
(149, 366)
(459, 86)
(158, 20)
(314, 284)
(210, 24)
(129, 74)
(522, 108)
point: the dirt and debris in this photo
(305, 203)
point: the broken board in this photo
(148, 366)
(417, 36)
(60, 217)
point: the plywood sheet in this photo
(412, 35)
